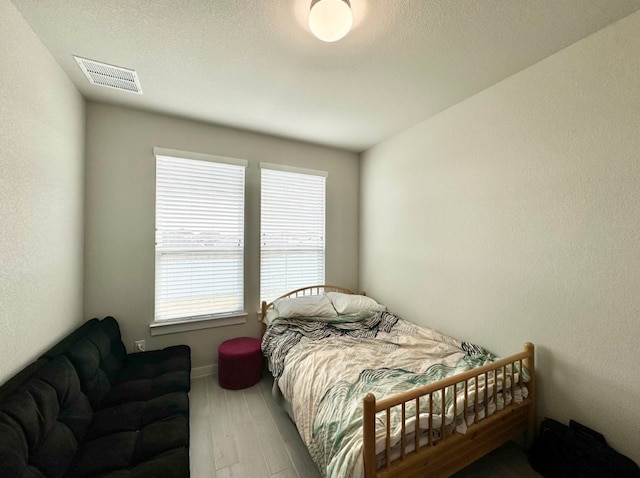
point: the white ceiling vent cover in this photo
(110, 76)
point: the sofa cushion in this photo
(137, 415)
(97, 353)
(85, 357)
(43, 416)
(109, 376)
(154, 363)
(148, 375)
(128, 449)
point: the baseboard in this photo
(204, 371)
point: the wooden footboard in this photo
(443, 451)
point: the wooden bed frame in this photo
(452, 452)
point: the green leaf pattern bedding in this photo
(324, 368)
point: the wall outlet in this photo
(138, 346)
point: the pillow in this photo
(347, 304)
(272, 314)
(305, 306)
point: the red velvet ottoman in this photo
(239, 363)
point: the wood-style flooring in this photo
(245, 434)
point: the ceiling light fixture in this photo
(330, 20)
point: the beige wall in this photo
(515, 216)
(119, 260)
(41, 197)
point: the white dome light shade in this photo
(330, 20)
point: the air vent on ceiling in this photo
(110, 76)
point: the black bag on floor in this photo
(576, 451)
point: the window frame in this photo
(273, 293)
(198, 321)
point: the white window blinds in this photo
(292, 230)
(199, 238)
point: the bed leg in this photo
(369, 435)
(529, 363)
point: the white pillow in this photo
(305, 306)
(348, 304)
(272, 314)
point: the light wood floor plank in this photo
(201, 445)
(225, 452)
(198, 400)
(267, 432)
(200, 450)
(253, 463)
(221, 473)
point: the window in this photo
(292, 229)
(199, 236)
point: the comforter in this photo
(325, 366)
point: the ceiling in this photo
(253, 64)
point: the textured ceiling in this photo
(253, 64)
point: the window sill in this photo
(186, 325)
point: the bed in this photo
(374, 396)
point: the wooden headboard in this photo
(310, 290)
